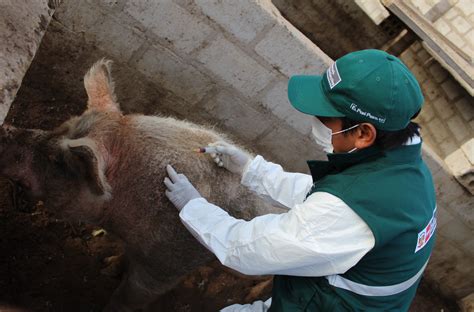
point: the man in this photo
(359, 231)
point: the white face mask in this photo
(323, 135)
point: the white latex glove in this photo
(230, 157)
(180, 190)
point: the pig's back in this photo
(145, 218)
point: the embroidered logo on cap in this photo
(333, 75)
(356, 109)
(425, 235)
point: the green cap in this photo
(368, 86)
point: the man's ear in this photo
(100, 87)
(365, 135)
(86, 163)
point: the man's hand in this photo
(180, 190)
(230, 157)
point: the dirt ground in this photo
(50, 265)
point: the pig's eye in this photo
(59, 162)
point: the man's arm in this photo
(320, 237)
(265, 178)
(270, 180)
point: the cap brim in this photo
(306, 95)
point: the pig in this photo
(107, 168)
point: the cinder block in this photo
(302, 58)
(452, 89)
(463, 171)
(236, 116)
(78, 16)
(465, 6)
(407, 57)
(452, 13)
(438, 130)
(456, 39)
(442, 107)
(465, 107)
(374, 9)
(469, 48)
(166, 69)
(419, 73)
(430, 89)
(457, 162)
(438, 72)
(442, 26)
(276, 100)
(427, 112)
(280, 145)
(111, 5)
(415, 46)
(23, 25)
(458, 128)
(447, 147)
(117, 39)
(468, 149)
(167, 20)
(244, 19)
(469, 36)
(423, 56)
(235, 67)
(461, 25)
(422, 6)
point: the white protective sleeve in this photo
(270, 180)
(319, 237)
(256, 306)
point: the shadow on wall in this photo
(338, 26)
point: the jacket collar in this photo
(340, 161)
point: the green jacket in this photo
(393, 192)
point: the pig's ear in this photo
(100, 87)
(86, 162)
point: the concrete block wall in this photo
(339, 26)
(447, 118)
(23, 26)
(374, 9)
(447, 127)
(228, 62)
(450, 269)
(454, 19)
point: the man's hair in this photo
(387, 139)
